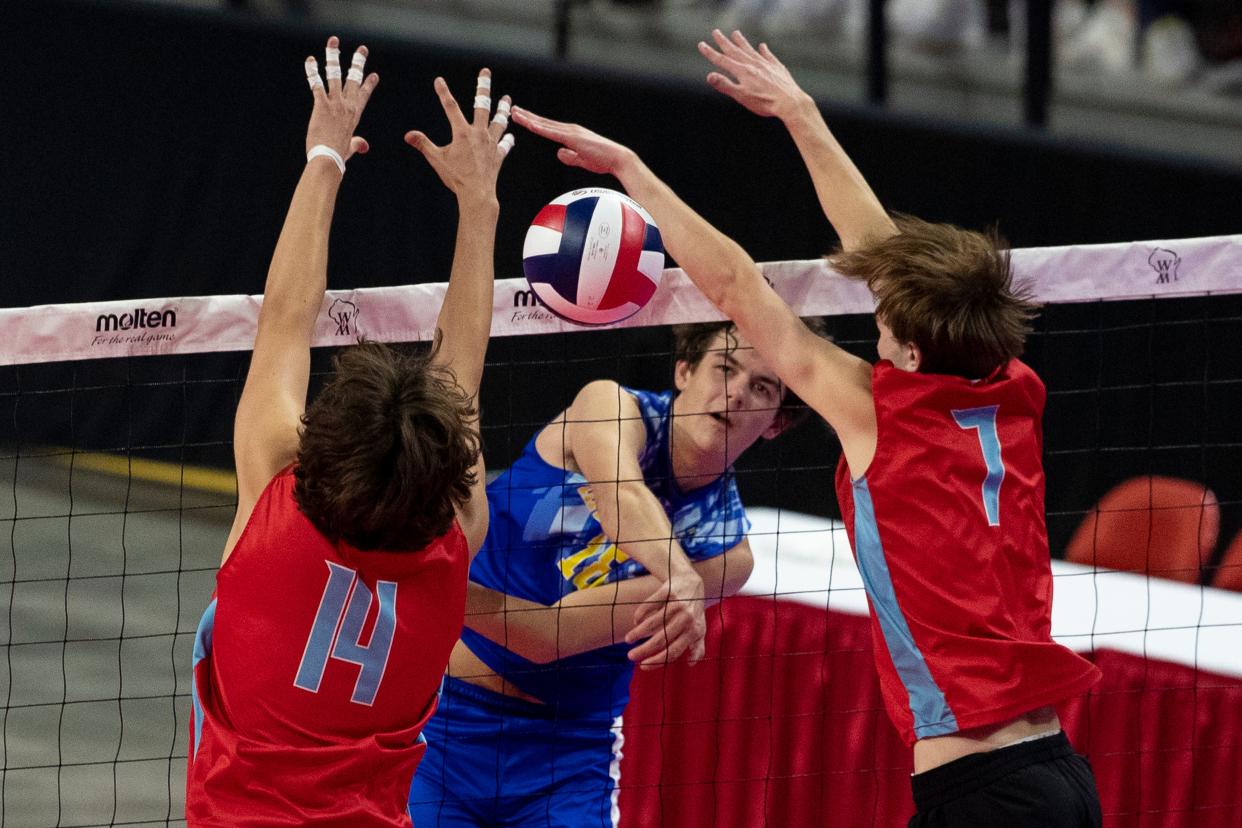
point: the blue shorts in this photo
(502, 762)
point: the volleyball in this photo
(593, 256)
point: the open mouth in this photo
(721, 418)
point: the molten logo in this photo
(139, 318)
(526, 299)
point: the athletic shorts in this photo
(501, 762)
(1037, 784)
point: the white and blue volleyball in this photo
(593, 256)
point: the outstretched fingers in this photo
(544, 127)
(720, 61)
(419, 141)
(470, 161)
(505, 144)
(313, 80)
(737, 47)
(457, 121)
(356, 70)
(742, 43)
(500, 122)
(332, 64)
(483, 97)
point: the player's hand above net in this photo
(752, 77)
(672, 621)
(580, 147)
(469, 164)
(338, 106)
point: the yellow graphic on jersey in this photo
(588, 498)
(604, 552)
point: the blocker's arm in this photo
(469, 166)
(265, 429)
(762, 84)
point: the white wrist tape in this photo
(327, 152)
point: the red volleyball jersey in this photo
(315, 668)
(948, 528)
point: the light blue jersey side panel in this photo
(202, 649)
(932, 716)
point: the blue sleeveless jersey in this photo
(544, 542)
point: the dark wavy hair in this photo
(692, 342)
(948, 290)
(387, 450)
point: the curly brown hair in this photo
(692, 342)
(949, 291)
(387, 450)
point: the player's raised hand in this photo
(752, 77)
(672, 621)
(580, 147)
(338, 107)
(469, 164)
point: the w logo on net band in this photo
(337, 633)
(345, 314)
(1165, 263)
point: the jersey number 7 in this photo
(983, 421)
(332, 636)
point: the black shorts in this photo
(1036, 784)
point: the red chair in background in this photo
(1160, 526)
(1229, 573)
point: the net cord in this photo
(407, 313)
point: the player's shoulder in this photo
(608, 397)
(604, 393)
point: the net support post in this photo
(1037, 82)
(560, 29)
(877, 54)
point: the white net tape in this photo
(407, 313)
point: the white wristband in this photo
(328, 152)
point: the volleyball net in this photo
(117, 455)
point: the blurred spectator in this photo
(776, 18)
(1169, 41)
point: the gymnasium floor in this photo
(81, 745)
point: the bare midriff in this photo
(465, 666)
(939, 750)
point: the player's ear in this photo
(681, 374)
(912, 355)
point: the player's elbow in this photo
(739, 564)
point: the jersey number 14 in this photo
(337, 633)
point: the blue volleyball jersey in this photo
(544, 542)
